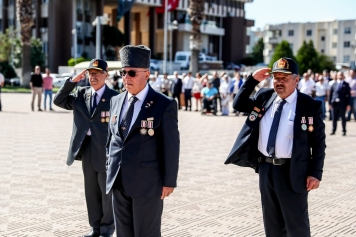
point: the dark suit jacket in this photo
(176, 88)
(308, 150)
(146, 162)
(79, 102)
(343, 94)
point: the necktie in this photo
(126, 120)
(94, 102)
(271, 144)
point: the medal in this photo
(107, 113)
(143, 129)
(151, 132)
(252, 117)
(310, 128)
(304, 126)
(103, 120)
(102, 114)
(107, 119)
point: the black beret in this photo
(135, 56)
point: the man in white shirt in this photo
(306, 85)
(188, 82)
(321, 92)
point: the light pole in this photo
(172, 26)
(74, 32)
(165, 37)
(99, 20)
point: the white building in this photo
(335, 39)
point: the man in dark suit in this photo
(176, 88)
(142, 149)
(90, 107)
(283, 139)
(339, 101)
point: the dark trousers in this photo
(99, 204)
(339, 112)
(136, 216)
(285, 213)
(208, 103)
(177, 95)
(188, 98)
(0, 99)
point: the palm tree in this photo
(25, 17)
(196, 14)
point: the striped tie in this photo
(126, 120)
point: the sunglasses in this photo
(131, 73)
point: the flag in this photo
(123, 7)
(172, 5)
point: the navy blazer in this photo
(147, 163)
(79, 102)
(308, 152)
(342, 93)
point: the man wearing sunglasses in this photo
(142, 148)
(90, 105)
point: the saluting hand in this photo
(312, 183)
(261, 74)
(166, 191)
(79, 77)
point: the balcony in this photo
(207, 27)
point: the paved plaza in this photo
(41, 196)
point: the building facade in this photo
(335, 39)
(65, 27)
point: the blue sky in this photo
(282, 11)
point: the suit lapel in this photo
(144, 109)
(298, 117)
(87, 96)
(269, 102)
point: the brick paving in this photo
(41, 196)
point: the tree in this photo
(24, 15)
(282, 50)
(308, 57)
(37, 55)
(257, 51)
(196, 14)
(325, 63)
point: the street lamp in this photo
(99, 20)
(172, 26)
(74, 33)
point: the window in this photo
(290, 32)
(291, 46)
(322, 38)
(309, 32)
(334, 45)
(346, 44)
(322, 51)
(335, 31)
(334, 59)
(347, 30)
(346, 58)
(160, 20)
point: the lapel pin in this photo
(103, 100)
(151, 102)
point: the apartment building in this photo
(65, 27)
(335, 39)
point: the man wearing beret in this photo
(283, 139)
(142, 149)
(90, 107)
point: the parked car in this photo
(231, 66)
(183, 57)
(14, 81)
(154, 65)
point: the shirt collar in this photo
(99, 92)
(289, 99)
(141, 96)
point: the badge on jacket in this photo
(252, 117)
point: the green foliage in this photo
(72, 61)
(249, 61)
(257, 51)
(325, 63)
(282, 50)
(37, 55)
(8, 41)
(7, 70)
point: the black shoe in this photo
(92, 234)
(344, 133)
(40, 110)
(51, 109)
(333, 133)
(32, 109)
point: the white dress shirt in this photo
(188, 83)
(141, 96)
(306, 87)
(321, 88)
(284, 140)
(99, 94)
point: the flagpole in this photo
(165, 37)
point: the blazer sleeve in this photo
(171, 144)
(242, 101)
(64, 98)
(317, 143)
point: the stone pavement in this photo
(41, 196)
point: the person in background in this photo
(209, 95)
(306, 85)
(36, 84)
(197, 87)
(236, 83)
(155, 84)
(339, 100)
(188, 82)
(352, 84)
(2, 82)
(321, 92)
(165, 84)
(216, 83)
(224, 91)
(47, 89)
(115, 81)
